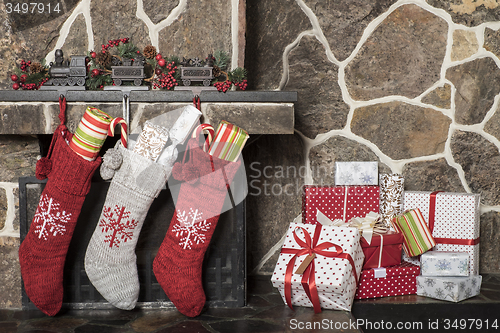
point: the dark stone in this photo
(273, 24)
(186, 327)
(320, 107)
(76, 42)
(201, 29)
(492, 41)
(20, 21)
(343, 22)
(10, 279)
(492, 126)
(440, 97)
(480, 161)
(22, 119)
(338, 149)
(403, 56)
(469, 13)
(490, 234)
(254, 301)
(18, 156)
(152, 321)
(245, 326)
(3, 207)
(229, 312)
(402, 130)
(10, 327)
(56, 323)
(158, 11)
(477, 83)
(113, 19)
(252, 117)
(274, 167)
(431, 176)
(91, 328)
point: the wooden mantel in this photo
(258, 112)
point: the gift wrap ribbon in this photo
(432, 218)
(311, 248)
(92, 131)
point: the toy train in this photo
(67, 73)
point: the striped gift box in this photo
(417, 236)
(91, 133)
(228, 142)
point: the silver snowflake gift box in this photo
(356, 173)
(447, 288)
(437, 263)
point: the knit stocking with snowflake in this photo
(110, 260)
(177, 266)
(43, 252)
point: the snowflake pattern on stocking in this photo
(49, 220)
(117, 221)
(191, 228)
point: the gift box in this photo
(228, 142)
(356, 173)
(384, 250)
(417, 236)
(449, 288)
(319, 266)
(436, 263)
(391, 196)
(338, 202)
(453, 219)
(390, 281)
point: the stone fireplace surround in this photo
(26, 115)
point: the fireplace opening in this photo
(224, 266)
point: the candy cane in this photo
(111, 130)
(207, 128)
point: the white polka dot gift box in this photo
(390, 281)
(449, 288)
(319, 266)
(453, 219)
(338, 202)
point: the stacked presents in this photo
(366, 237)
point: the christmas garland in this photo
(161, 73)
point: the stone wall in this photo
(410, 84)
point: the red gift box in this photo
(384, 250)
(339, 202)
(392, 281)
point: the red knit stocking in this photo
(43, 252)
(177, 266)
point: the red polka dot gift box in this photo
(453, 219)
(338, 202)
(389, 281)
(319, 266)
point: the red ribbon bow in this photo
(308, 278)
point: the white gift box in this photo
(456, 221)
(436, 263)
(356, 173)
(454, 289)
(334, 278)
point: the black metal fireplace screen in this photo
(224, 275)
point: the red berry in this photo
(95, 72)
(15, 86)
(93, 55)
(24, 77)
(161, 62)
(14, 78)
(158, 57)
(157, 71)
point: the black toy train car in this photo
(65, 72)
